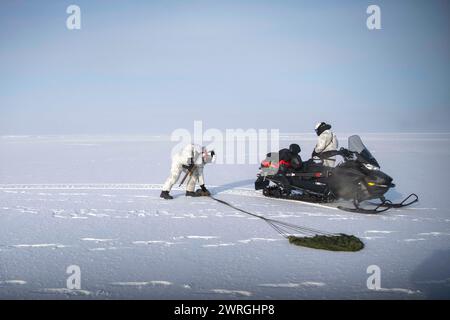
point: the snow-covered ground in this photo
(94, 202)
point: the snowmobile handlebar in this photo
(345, 153)
(351, 155)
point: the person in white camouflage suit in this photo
(327, 141)
(191, 158)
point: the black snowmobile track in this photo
(277, 193)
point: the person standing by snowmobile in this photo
(327, 141)
(191, 159)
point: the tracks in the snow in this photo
(246, 192)
(82, 186)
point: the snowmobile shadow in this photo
(232, 185)
(394, 195)
(432, 276)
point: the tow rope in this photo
(307, 237)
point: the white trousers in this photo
(175, 173)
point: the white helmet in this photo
(318, 125)
(321, 127)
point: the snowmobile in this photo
(357, 178)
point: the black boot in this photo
(203, 192)
(191, 194)
(166, 195)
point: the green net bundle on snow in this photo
(339, 242)
(308, 237)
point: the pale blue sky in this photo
(154, 66)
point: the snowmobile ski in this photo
(382, 207)
(402, 204)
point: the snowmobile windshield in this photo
(355, 144)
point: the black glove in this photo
(204, 188)
(212, 153)
(314, 154)
(346, 153)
